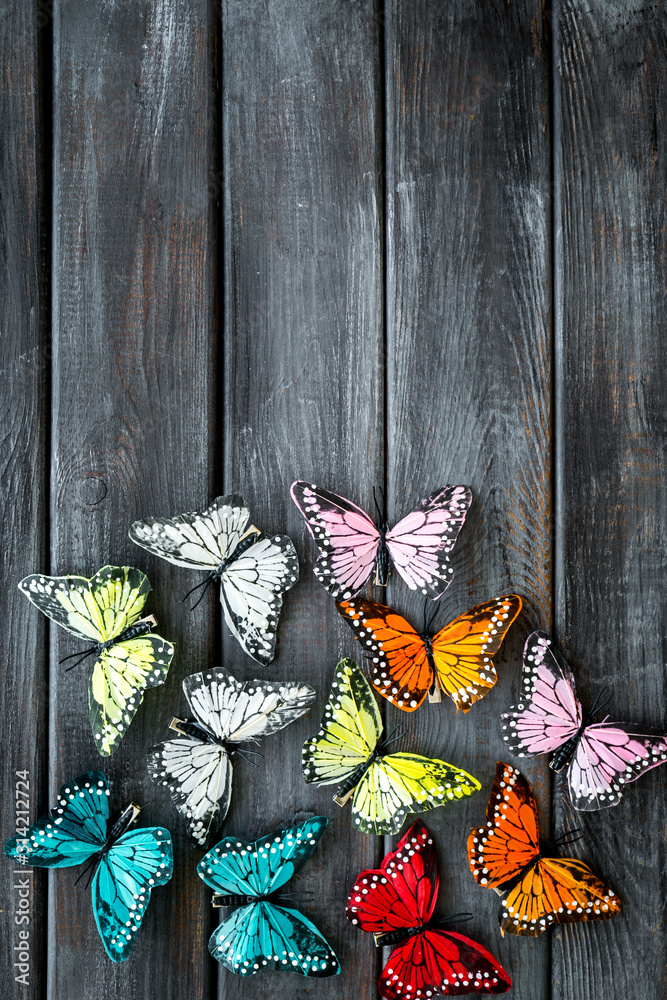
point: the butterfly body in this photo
(196, 767)
(382, 558)
(600, 757)
(407, 665)
(562, 757)
(188, 727)
(352, 545)
(246, 541)
(382, 564)
(396, 903)
(129, 656)
(344, 791)
(123, 864)
(537, 890)
(349, 752)
(261, 933)
(253, 569)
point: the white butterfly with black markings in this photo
(197, 767)
(253, 570)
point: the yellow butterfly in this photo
(107, 609)
(386, 787)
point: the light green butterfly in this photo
(386, 787)
(107, 609)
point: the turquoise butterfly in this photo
(260, 933)
(125, 865)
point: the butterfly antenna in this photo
(82, 657)
(88, 870)
(244, 755)
(298, 894)
(205, 584)
(377, 507)
(399, 732)
(459, 918)
(598, 707)
(569, 837)
(436, 609)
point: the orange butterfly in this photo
(407, 665)
(536, 892)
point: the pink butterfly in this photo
(351, 544)
(601, 757)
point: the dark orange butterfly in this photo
(407, 665)
(536, 892)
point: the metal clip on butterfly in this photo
(386, 787)
(128, 660)
(261, 933)
(124, 865)
(396, 904)
(253, 571)
(351, 544)
(407, 665)
(601, 757)
(537, 891)
(197, 769)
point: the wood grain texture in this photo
(134, 405)
(24, 396)
(610, 609)
(468, 355)
(303, 385)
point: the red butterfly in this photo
(396, 903)
(406, 665)
(536, 891)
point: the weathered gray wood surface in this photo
(468, 376)
(325, 240)
(134, 330)
(303, 381)
(25, 362)
(611, 267)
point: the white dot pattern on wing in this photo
(596, 906)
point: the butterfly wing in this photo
(264, 935)
(403, 891)
(463, 651)
(346, 537)
(549, 712)
(259, 868)
(199, 778)
(245, 710)
(351, 728)
(400, 669)
(399, 783)
(438, 962)
(122, 885)
(197, 540)
(98, 608)
(555, 891)
(420, 543)
(251, 590)
(71, 832)
(607, 757)
(510, 839)
(118, 680)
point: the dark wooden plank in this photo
(468, 395)
(610, 614)
(24, 378)
(303, 387)
(134, 414)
